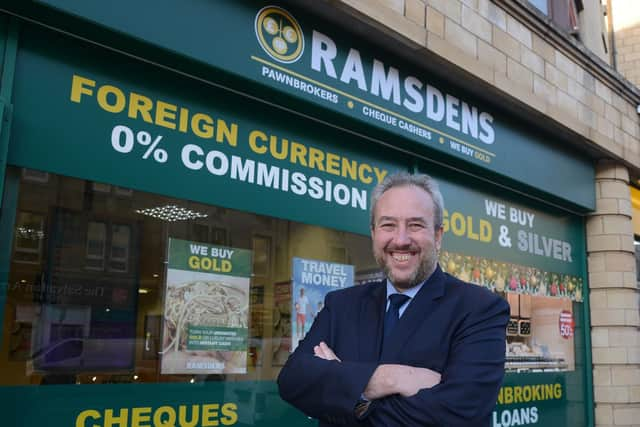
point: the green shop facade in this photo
(162, 165)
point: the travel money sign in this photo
(311, 60)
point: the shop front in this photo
(177, 204)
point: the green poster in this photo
(206, 309)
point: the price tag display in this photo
(566, 324)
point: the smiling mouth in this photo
(402, 256)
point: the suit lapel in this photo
(424, 302)
(370, 322)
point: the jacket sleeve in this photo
(323, 389)
(470, 382)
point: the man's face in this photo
(405, 243)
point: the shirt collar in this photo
(411, 293)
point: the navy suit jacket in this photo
(452, 327)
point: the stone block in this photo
(519, 32)
(595, 225)
(609, 317)
(603, 242)
(623, 336)
(611, 394)
(612, 114)
(452, 9)
(544, 49)
(614, 188)
(605, 279)
(622, 298)
(598, 300)
(519, 74)
(493, 13)
(603, 91)
(632, 316)
(415, 11)
(532, 60)
(461, 38)
(620, 262)
(492, 57)
(556, 77)
(625, 375)
(607, 206)
(544, 89)
(603, 414)
(626, 416)
(599, 335)
(507, 44)
(435, 22)
(566, 65)
(617, 224)
(395, 5)
(476, 24)
(568, 103)
(602, 376)
(595, 263)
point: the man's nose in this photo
(401, 237)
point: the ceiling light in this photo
(171, 213)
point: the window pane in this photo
(107, 302)
(541, 5)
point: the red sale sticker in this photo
(566, 324)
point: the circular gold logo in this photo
(279, 34)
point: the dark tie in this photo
(393, 313)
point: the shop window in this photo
(105, 290)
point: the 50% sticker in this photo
(123, 139)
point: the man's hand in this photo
(399, 379)
(323, 351)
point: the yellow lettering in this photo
(182, 413)
(486, 231)
(508, 396)
(110, 419)
(229, 413)
(298, 153)
(81, 419)
(224, 132)
(273, 147)
(166, 111)
(202, 130)
(316, 157)
(184, 120)
(365, 179)
(557, 391)
(205, 264)
(79, 86)
(210, 415)
(349, 167)
(517, 394)
(103, 102)
(140, 104)
(380, 174)
(256, 134)
(160, 420)
(333, 164)
(226, 266)
(457, 224)
(194, 262)
(139, 416)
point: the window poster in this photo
(312, 281)
(206, 309)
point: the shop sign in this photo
(240, 403)
(312, 60)
(509, 246)
(534, 399)
(133, 126)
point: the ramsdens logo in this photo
(279, 34)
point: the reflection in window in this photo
(89, 280)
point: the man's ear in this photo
(438, 237)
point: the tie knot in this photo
(396, 300)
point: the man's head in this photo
(406, 227)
